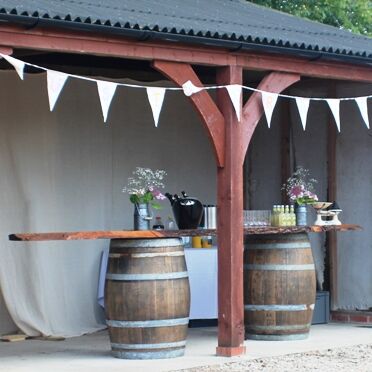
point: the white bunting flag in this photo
(156, 98)
(334, 105)
(17, 64)
(269, 102)
(189, 88)
(106, 91)
(303, 108)
(55, 82)
(235, 93)
(363, 107)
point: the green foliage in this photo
(146, 198)
(352, 15)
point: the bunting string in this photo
(106, 89)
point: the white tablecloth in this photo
(202, 268)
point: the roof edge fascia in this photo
(149, 35)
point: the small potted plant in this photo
(144, 190)
(300, 190)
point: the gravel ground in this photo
(351, 359)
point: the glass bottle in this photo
(158, 225)
(171, 224)
(275, 215)
(281, 216)
(293, 216)
(287, 220)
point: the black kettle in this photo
(187, 211)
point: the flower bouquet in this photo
(144, 186)
(300, 187)
(144, 190)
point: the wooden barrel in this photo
(147, 298)
(279, 286)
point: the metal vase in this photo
(142, 216)
(301, 215)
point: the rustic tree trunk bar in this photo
(130, 234)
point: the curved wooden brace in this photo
(274, 82)
(6, 50)
(211, 116)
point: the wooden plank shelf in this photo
(152, 234)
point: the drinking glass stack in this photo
(256, 218)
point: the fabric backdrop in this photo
(64, 171)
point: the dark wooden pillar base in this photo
(230, 351)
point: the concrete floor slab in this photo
(91, 353)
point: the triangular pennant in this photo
(363, 107)
(106, 91)
(189, 88)
(303, 108)
(17, 64)
(55, 82)
(334, 105)
(156, 98)
(235, 93)
(269, 102)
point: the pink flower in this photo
(156, 193)
(160, 196)
(297, 191)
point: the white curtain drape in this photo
(54, 176)
(64, 171)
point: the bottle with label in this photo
(277, 215)
(280, 215)
(287, 219)
(293, 216)
(158, 225)
(273, 215)
(171, 224)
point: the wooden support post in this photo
(230, 224)
(285, 147)
(230, 140)
(230, 204)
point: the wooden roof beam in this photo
(115, 46)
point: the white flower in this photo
(144, 180)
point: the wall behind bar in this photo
(7, 326)
(64, 171)
(354, 180)
(354, 190)
(308, 148)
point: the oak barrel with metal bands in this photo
(147, 298)
(279, 286)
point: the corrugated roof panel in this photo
(215, 19)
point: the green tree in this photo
(353, 15)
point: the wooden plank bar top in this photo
(152, 234)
